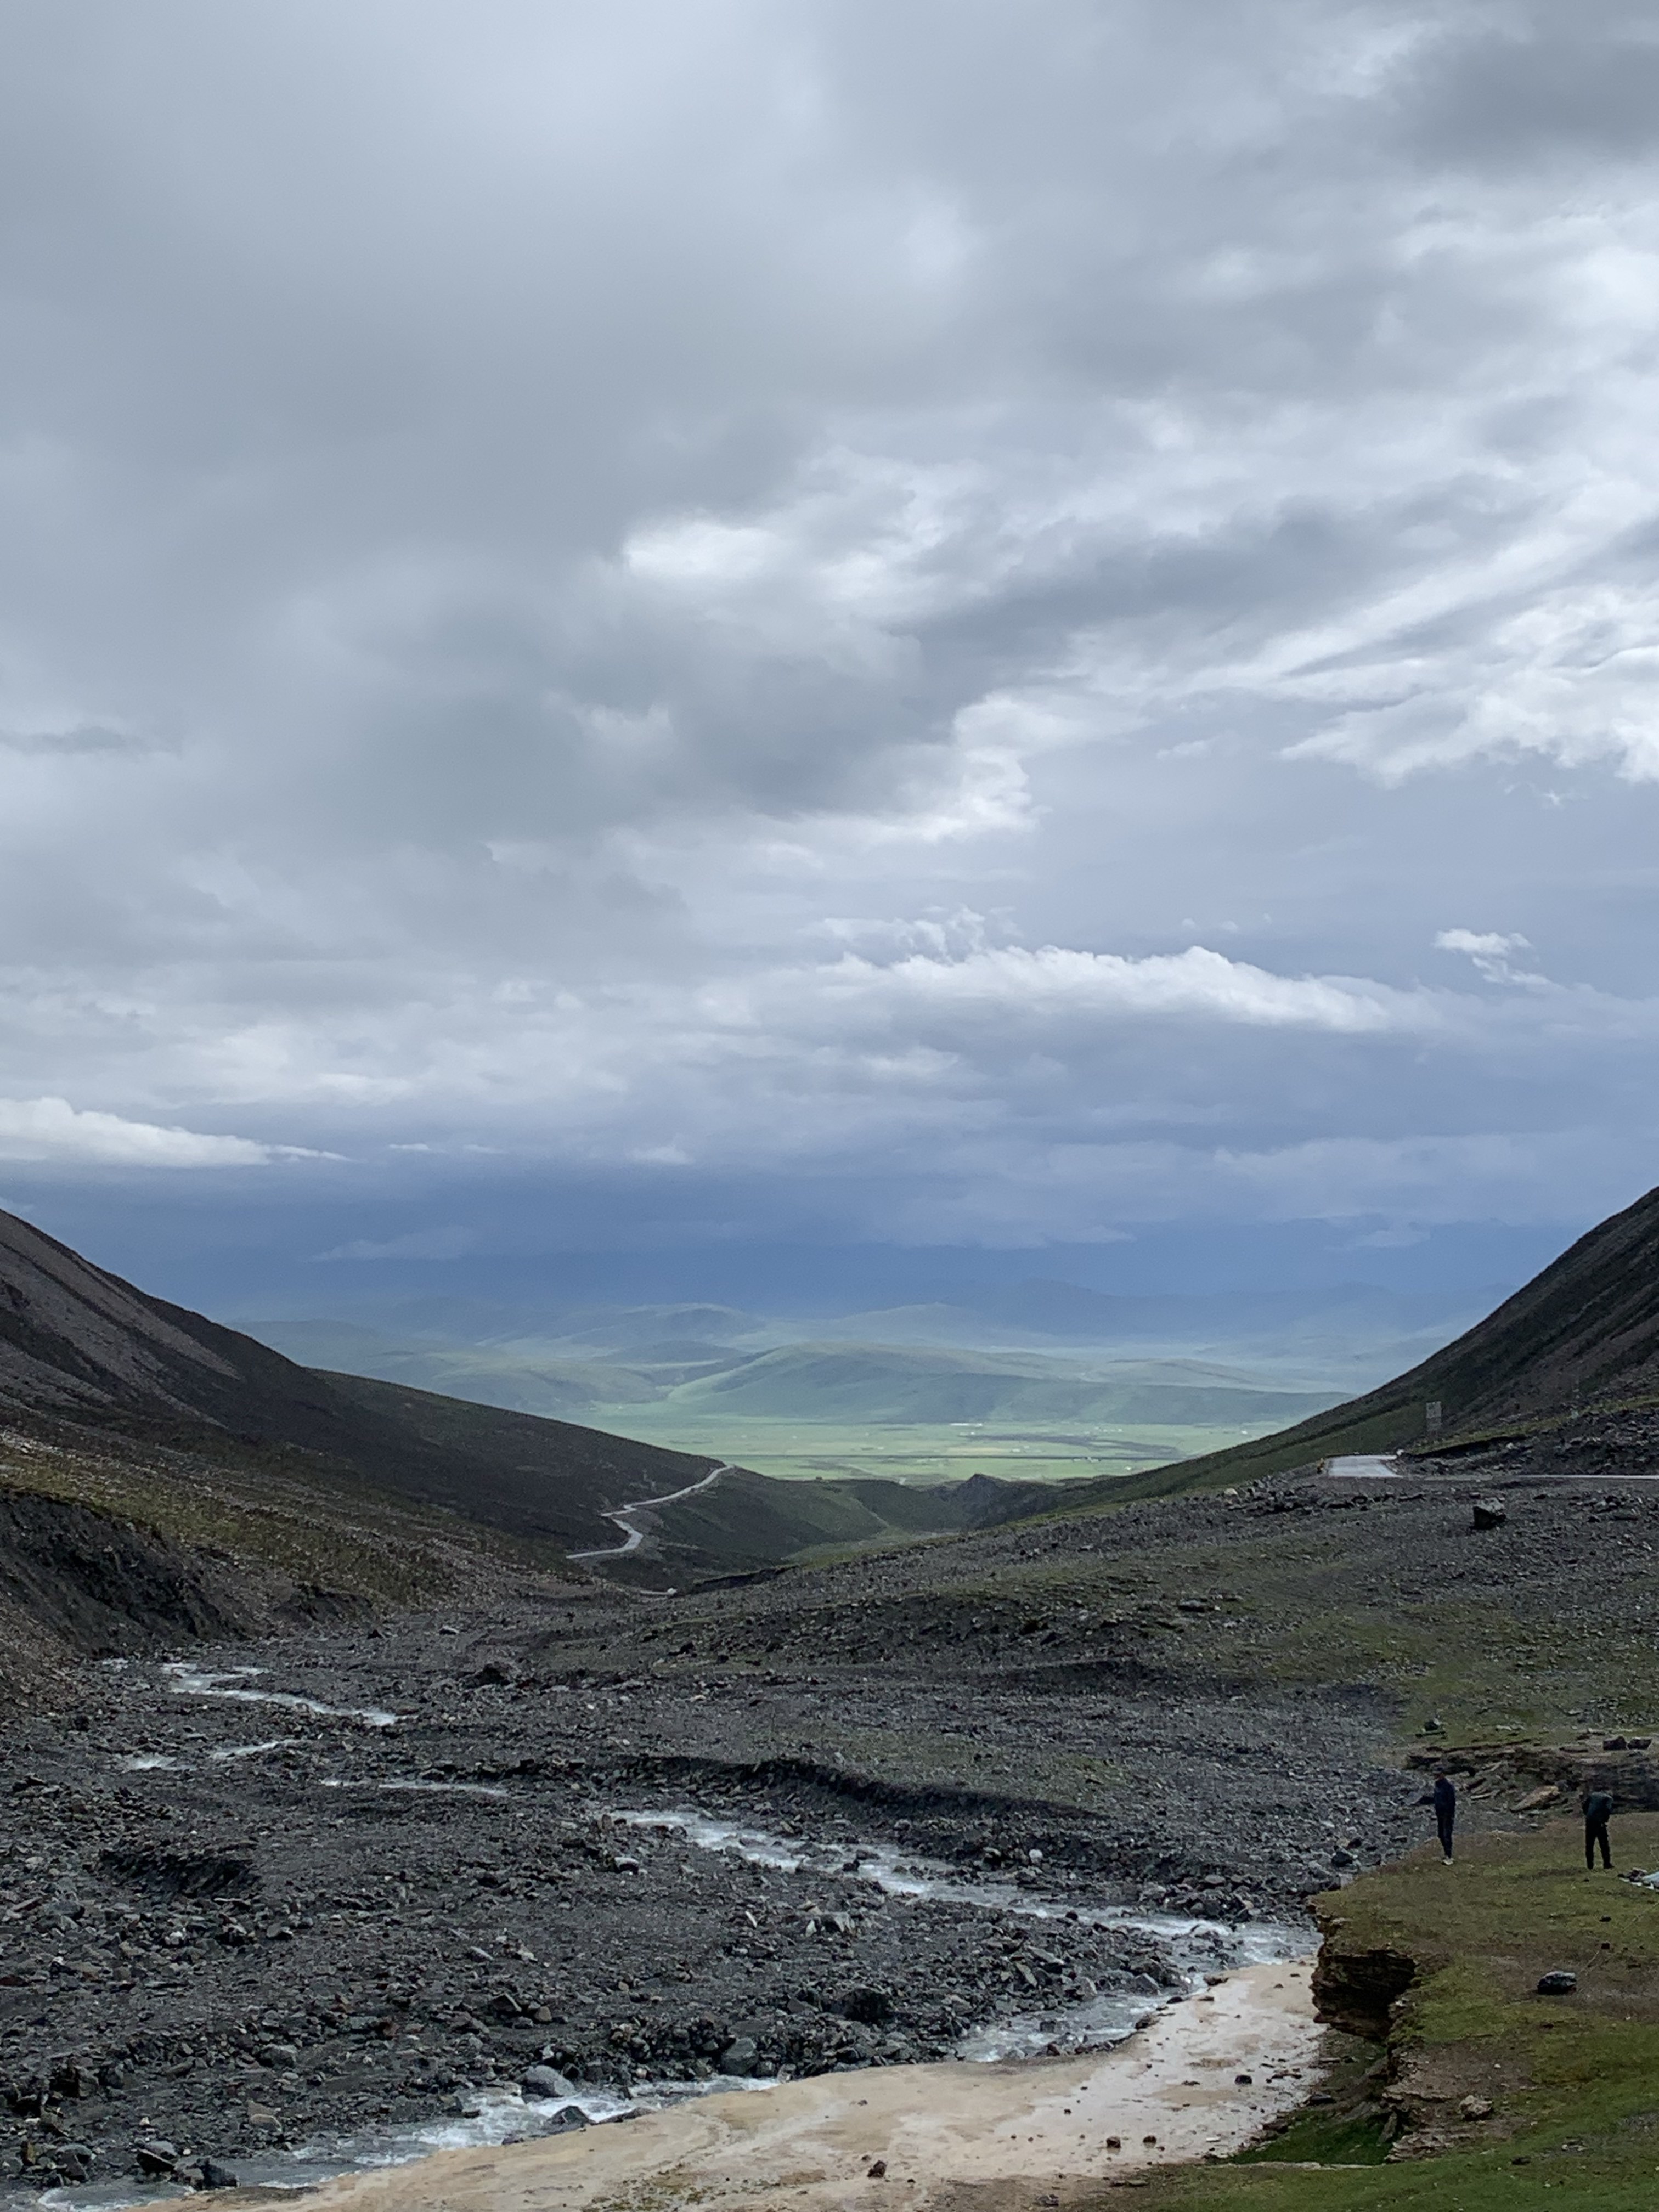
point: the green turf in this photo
(903, 1451)
(1574, 2081)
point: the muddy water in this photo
(1172, 2093)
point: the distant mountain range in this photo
(877, 1383)
(1042, 1351)
(85, 1357)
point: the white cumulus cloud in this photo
(51, 1129)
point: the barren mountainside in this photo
(82, 1346)
(1585, 1329)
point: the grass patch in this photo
(1480, 1666)
(361, 1543)
(795, 1449)
(1352, 2128)
(1574, 2081)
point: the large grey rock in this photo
(546, 2082)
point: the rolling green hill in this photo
(875, 1383)
(748, 1522)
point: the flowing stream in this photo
(1201, 1951)
(234, 1683)
(1198, 1948)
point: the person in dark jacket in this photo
(1598, 1811)
(1444, 1799)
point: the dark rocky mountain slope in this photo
(81, 1347)
(1585, 1330)
(108, 1377)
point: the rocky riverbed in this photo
(363, 1888)
(349, 1891)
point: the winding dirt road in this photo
(635, 1537)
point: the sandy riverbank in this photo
(1038, 2127)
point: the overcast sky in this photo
(943, 624)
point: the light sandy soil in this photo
(1035, 2127)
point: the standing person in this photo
(1598, 1811)
(1443, 1798)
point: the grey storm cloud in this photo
(1010, 598)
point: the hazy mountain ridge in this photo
(885, 1382)
(1083, 1355)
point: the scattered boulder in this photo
(567, 2118)
(1490, 1513)
(873, 2007)
(179, 1873)
(215, 2176)
(1559, 1984)
(1475, 2108)
(545, 2082)
(1537, 1800)
(157, 2157)
(739, 2056)
(876, 2171)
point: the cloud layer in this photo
(1019, 612)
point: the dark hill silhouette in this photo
(81, 1347)
(1588, 1326)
